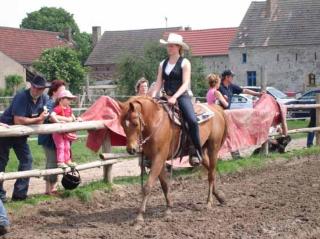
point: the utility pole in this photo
(166, 19)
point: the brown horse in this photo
(147, 124)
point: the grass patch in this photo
(298, 124)
(81, 154)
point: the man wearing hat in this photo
(26, 108)
(228, 89)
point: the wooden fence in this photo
(107, 159)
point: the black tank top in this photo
(173, 81)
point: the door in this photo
(251, 78)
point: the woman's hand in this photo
(172, 100)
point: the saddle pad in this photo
(203, 113)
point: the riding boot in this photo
(196, 158)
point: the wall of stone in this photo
(102, 72)
(286, 67)
(9, 67)
(215, 64)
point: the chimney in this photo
(67, 34)
(188, 28)
(271, 7)
(96, 35)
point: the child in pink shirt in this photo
(214, 96)
(62, 141)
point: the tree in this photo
(131, 68)
(62, 63)
(13, 82)
(50, 19)
(83, 45)
(57, 20)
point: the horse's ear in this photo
(132, 107)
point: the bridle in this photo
(143, 140)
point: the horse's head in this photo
(133, 124)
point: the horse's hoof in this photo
(139, 219)
(209, 205)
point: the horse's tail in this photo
(225, 133)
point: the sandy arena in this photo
(282, 200)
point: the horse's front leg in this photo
(155, 171)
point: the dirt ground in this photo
(281, 200)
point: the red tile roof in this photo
(26, 45)
(208, 42)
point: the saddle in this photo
(203, 113)
(185, 146)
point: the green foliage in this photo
(132, 67)
(83, 45)
(50, 19)
(57, 20)
(62, 63)
(12, 83)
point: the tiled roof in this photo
(26, 45)
(113, 44)
(293, 22)
(209, 42)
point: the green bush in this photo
(13, 82)
(62, 63)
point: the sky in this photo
(134, 14)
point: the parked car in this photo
(307, 98)
(277, 94)
(242, 101)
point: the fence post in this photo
(107, 169)
(265, 146)
(318, 119)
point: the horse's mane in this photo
(141, 99)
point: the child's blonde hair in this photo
(213, 80)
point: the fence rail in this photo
(107, 159)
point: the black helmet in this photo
(71, 180)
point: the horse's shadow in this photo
(114, 216)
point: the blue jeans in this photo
(310, 138)
(22, 151)
(4, 221)
(189, 116)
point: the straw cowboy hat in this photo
(176, 39)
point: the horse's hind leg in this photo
(165, 185)
(155, 171)
(213, 159)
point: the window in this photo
(278, 57)
(251, 78)
(315, 56)
(244, 58)
(296, 56)
(312, 79)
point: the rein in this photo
(142, 141)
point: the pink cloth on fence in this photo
(105, 108)
(246, 127)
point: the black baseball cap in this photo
(227, 73)
(39, 82)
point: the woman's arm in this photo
(186, 78)
(222, 100)
(157, 87)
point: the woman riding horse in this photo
(174, 74)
